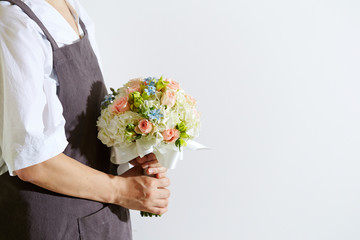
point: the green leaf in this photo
(145, 96)
(135, 100)
(130, 127)
(182, 142)
(181, 127)
(161, 84)
(184, 135)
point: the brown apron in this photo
(31, 212)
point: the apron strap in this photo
(82, 25)
(32, 15)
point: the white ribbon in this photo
(167, 154)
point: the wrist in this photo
(118, 190)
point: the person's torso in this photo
(46, 215)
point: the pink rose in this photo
(144, 127)
(170, 135)
(168, 98)
(120, 105)
(133, 89)
(134, 85)
(172, 84)
(134, 82)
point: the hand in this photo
(144, 193)
(151, 165)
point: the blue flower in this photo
(150, 90)
(107, 100)
(155, 114)
(152, 83)
(147, 80)
(108, 97)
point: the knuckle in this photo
(148, 182)
(149, 194)
(151, 182)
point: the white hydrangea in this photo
(112, 127)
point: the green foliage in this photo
(147, 214)
(181, 127)
(161, 84)
(144, 110)
(145, 96)
(184, 135)
(180, 143)
(135, 100)
(130, 133)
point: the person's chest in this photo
(58, 26)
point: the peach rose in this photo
(172, 84)
(144, 127)
(133, 89)
(136, 82)
(120, 105)
(168, 98)
(134, 85)
(170, 135)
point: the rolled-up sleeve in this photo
(31, 121)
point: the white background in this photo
(278, 86)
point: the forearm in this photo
(65, 175)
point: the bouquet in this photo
(149, 115)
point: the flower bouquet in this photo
(149, 115)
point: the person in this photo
(56, 178)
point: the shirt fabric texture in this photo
(31, 120)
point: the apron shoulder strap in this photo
(32, 15)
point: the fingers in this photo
(134, 162)
(144, 193)
(152, 163)
(163, 193)
(147, 158)
(158, 211)
(160, 175)
(163, 182)
(155, 170)
(160, 206)
(162, 203)
(152, 166)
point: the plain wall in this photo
(278, 86)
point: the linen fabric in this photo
(42, 214)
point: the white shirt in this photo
(32, 127)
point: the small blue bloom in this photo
(150, 90)
(147, 80)
(155, 114)
(108, 97)
(107, 100)
(152, 83)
